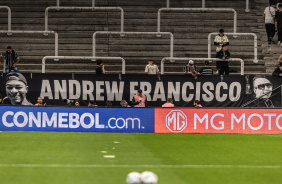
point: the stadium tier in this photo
(190, 29)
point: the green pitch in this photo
(78, 158)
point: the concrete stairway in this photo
(76, 28)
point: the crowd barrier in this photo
(141, 120)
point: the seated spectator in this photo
(92, 104)
(124, 103)
(220, 40)
(223, 65)
(278, 71)
(100, 69)
(139, 99)
(196, 104)
(191, 69)
(206, 70)
(40, 102)
(151, 68)
(76, 103)
(108, 104)
(169, 103)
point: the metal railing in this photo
(197, 9)
(204, 5)
(58, 3)
(241, 34)
(133, 33)
(36, 32)
(84, 8)
(82, 58)
(200, 59)
(9, 18)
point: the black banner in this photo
(211, 91)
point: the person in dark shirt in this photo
(278, 19)
(11, 59)
(278, 71)
(206, 70)
(223, 65)
(100, 67)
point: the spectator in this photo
(272, 1)
(223, 65)
(279, 60)
(206, 70)
(197, 104)
(269, 21)
(191, 69)
(139, 99)
(278, 18)
(40, 102)
(278, 71)
(124, 103)
(169, 103)
(151, 68)
(76, 103)
(16, 90)
(92, 104)
(220, 40)
(100, 69)
(108, 104)
(11, 58)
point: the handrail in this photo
(242, 34)
(84, 8)
(38, 32)
(249, 102)
(9, 18)
(82, 58)
(58, 3)
(204, 5)
(197, 9)
(137, 33)
(200, 59)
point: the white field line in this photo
(142, 166)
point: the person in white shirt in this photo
(151, 68)
(269, 21)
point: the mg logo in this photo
(176, 121)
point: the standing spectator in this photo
(223, 65)
(151, 68)
(40, 102)
(139, 99)
(279, 60)
(220, 40)
(100, 69)
(11, 58)
(272, 1)
(278, 71)
(278, 18)
(269, 21)
(206, 70)
(169, 103)
(190, 69)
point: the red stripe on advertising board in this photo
(234, 121)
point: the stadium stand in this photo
(190, 29)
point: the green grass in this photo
(45, 148)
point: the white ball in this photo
(149, 177)
(133, 178)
